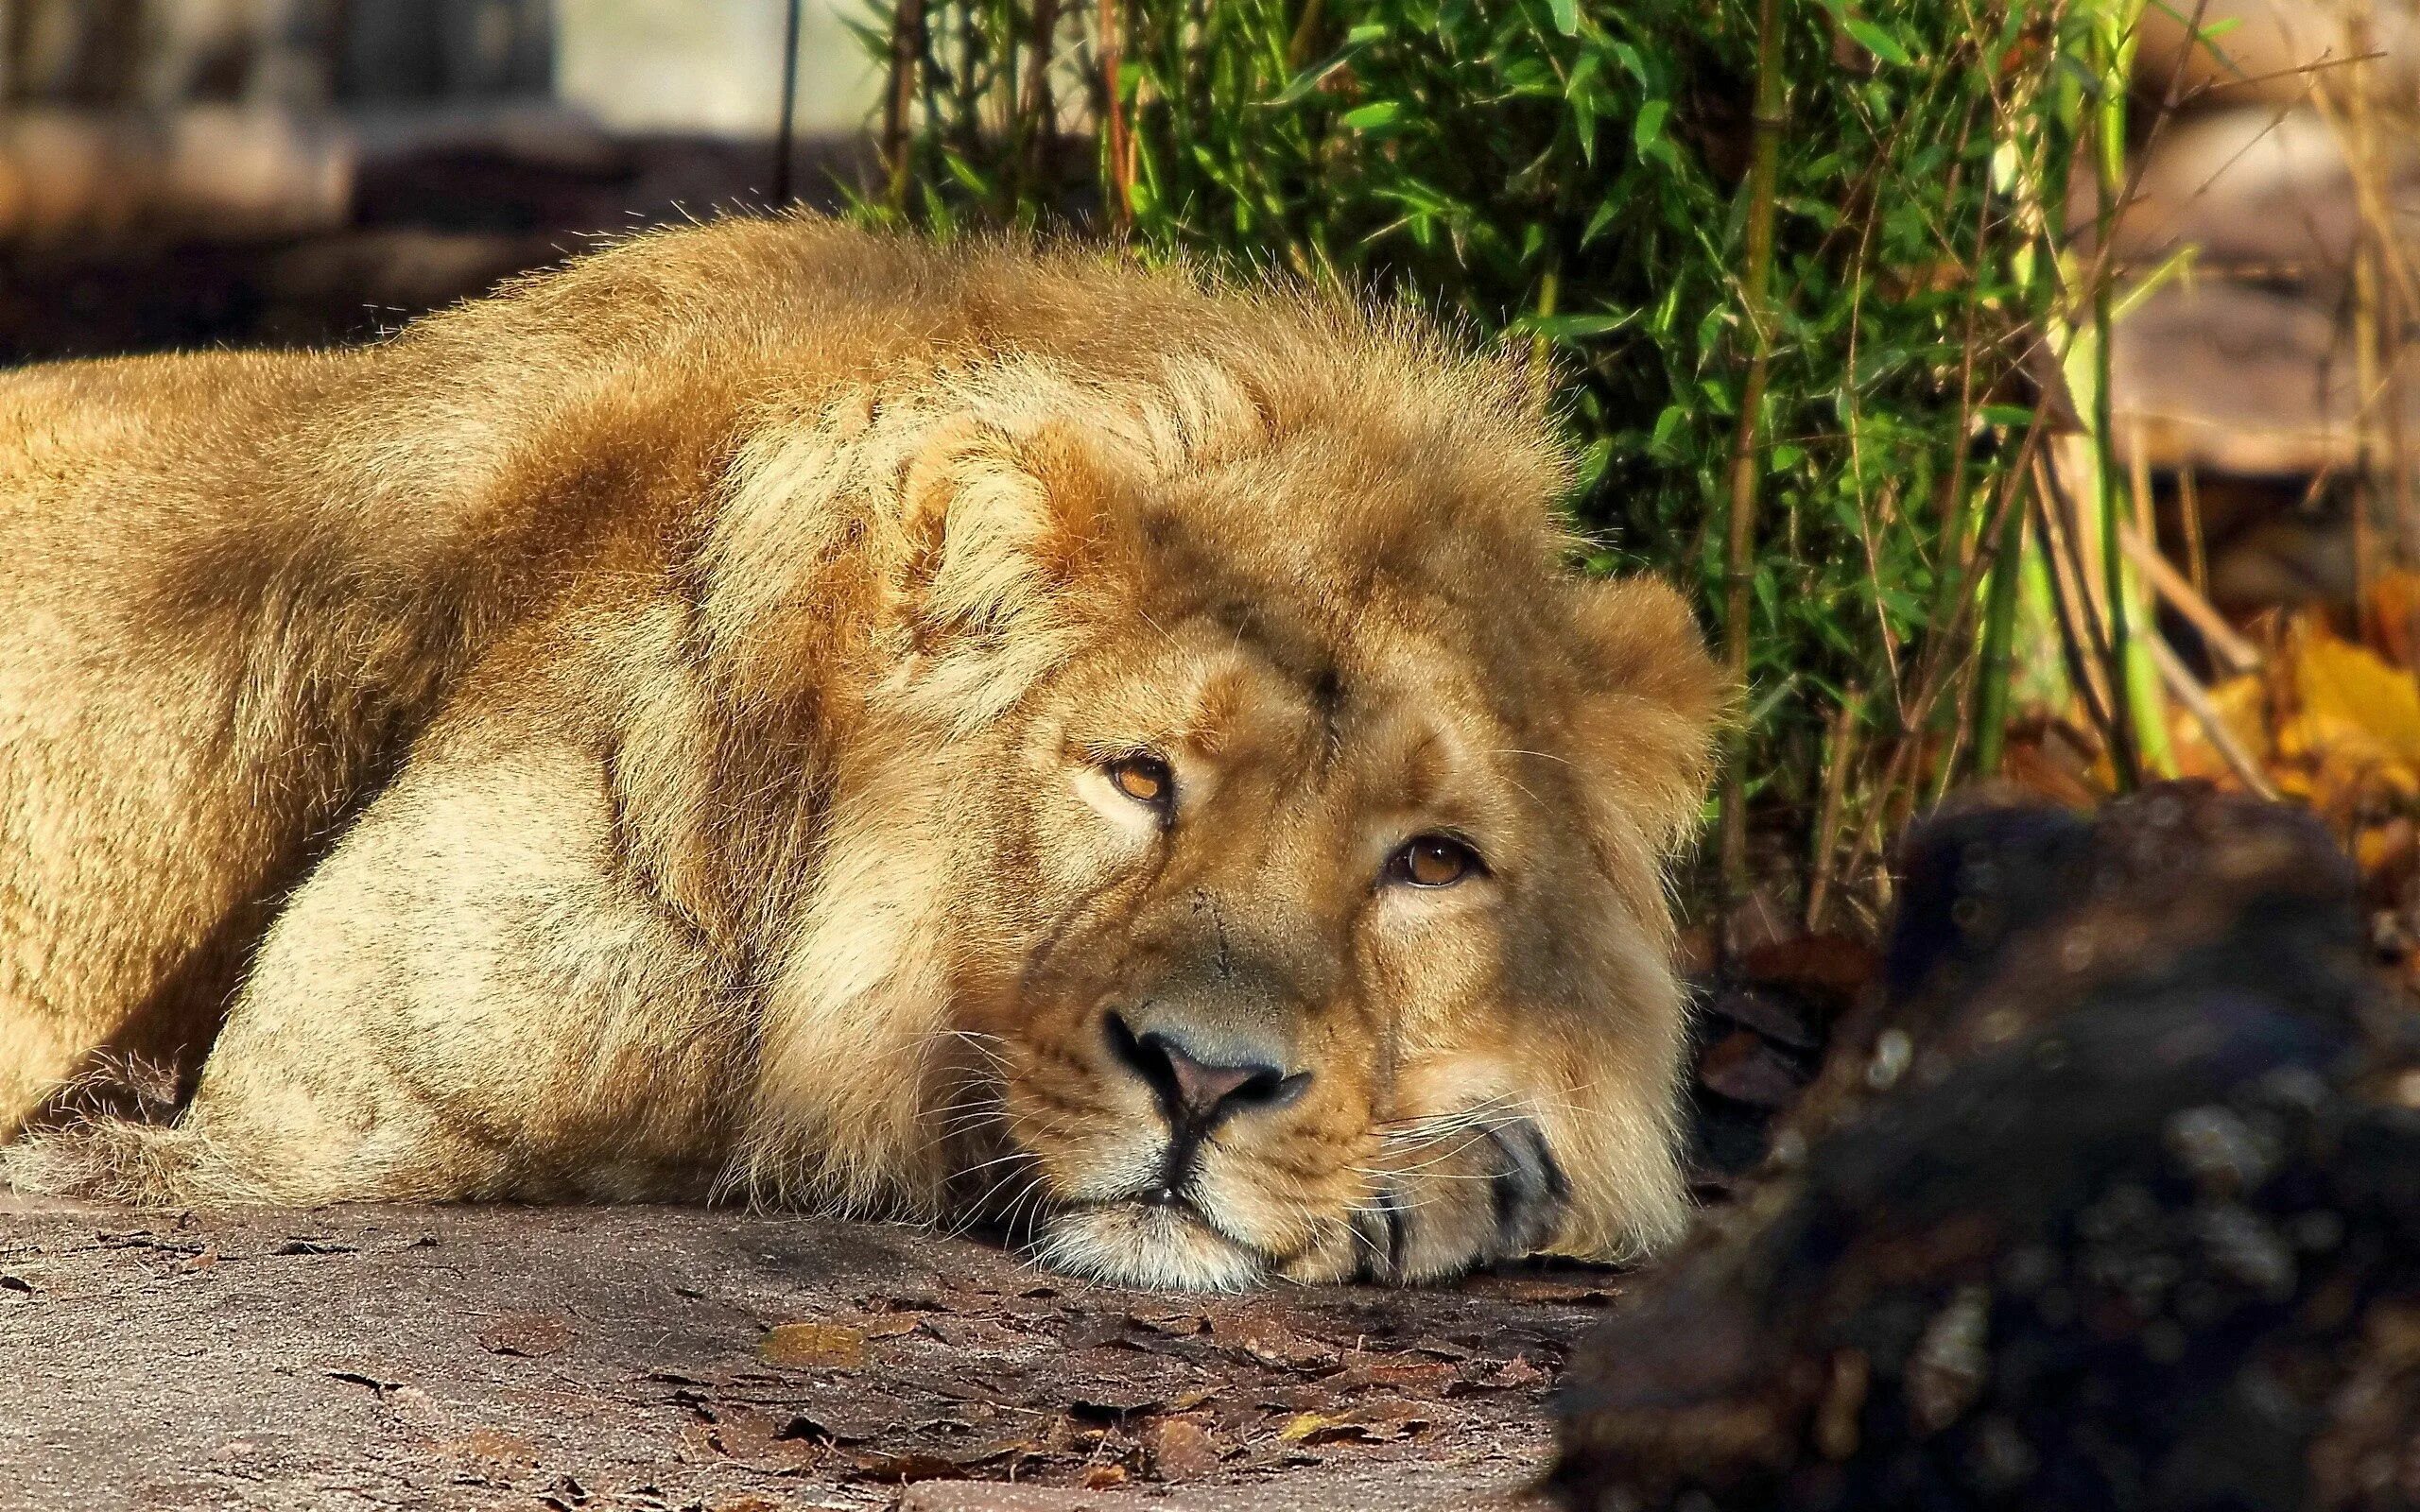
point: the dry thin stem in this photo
(2230, 650)
(2188, 513)
(2081, 634)
(2186, 690)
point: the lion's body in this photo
(545, 737)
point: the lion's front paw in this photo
(1450, 1198)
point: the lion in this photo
(776, 711)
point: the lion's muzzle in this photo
(1200, 1083)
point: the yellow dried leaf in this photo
(2241, 705)
(2355, 704)
(814, 1346)
(1304, 1425)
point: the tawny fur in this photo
(641, 735)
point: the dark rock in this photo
(2113, 1199)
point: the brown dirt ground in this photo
(659, 1358)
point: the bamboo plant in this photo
(1795, 267)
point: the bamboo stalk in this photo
(2138, 485)
(1000, 23)
(2083, 638)
(2384, 470)
(1840, 752)
(2141, 542)
(1038, 110)
(1120, 167)
(2111, 49)
(1764, 169)
(2366, 385)
(907, 47)
(787, 130)
(1955, 505)
(1541, 345)
(1990, 717)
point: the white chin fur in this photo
(1131, 1244)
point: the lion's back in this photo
(238, 583)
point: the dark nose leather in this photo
(1197, 1088)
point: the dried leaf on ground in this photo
(859, 1417)
(1377, 1423)
(1405, 1373)
(492, 1444)
(814, 1346)
(901, 1469)
(767, 1440)
(531, 1336)
(1179, 1447)
(2335, 724)
(2353, 703)
(1269, 1342)
(1517, 1374)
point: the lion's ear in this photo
(996, 528)
(994, 582)
(1654, 703)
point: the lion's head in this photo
(1269, 820)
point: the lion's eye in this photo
(1435, 861)
(1144, 777)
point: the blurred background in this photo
(176, 173)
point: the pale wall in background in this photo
(708, 66)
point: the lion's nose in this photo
(1197, 1087)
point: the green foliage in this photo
(1572, 173)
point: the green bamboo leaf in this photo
(1566, 16)
(1647, 132)
(1372, 116)
(1877, 41)
(1593, 462)
(1572, 327)
(1310, 80)
(964, 172)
